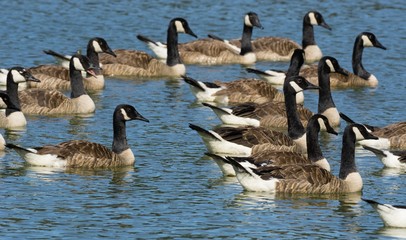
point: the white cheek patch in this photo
(77, 64)
(124, 113)
(179, 27)
(97, 47)
(313, 20)
(17, 77)
(295, 86)
(367, 42)
(247, 21)
(330, 65)
(321, 123)
(358, 134)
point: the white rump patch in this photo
(97, 47)
(313, 20)
(247, 21)
(367, 42)
(124, 113)
(330, 65)
(77, 64)
(179, 27)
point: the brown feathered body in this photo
(48, 102)
(272, 48)
(80, 153)
(211, 52)
(337, 80)
(138, 64)
(57, 77)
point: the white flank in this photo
(233, 119)
(274, 77)
(391, 160)
(224, 147)
(392, 216)
(236, 50)
(254, 183)
(47, 160)
(160, 50)
(380, 143)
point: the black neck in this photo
(348, 154)
(93, 58)
(246, 45)
(295, 126)
(172, 46)
(294, 67)
(357, 67)
(76, 82)
(12, 91)
(325, 98)
(308, 35)
(119, 135)
(313, 147)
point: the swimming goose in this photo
(12, 117)
(310, 179)
(81, 153)
(390, 159)
(248, 139)
(57, 76)
(273, 114)
(360, 77)
(140, 64)
(278, 158)
(392, 136)
(44, 101)
(391, 215)
(281, 49)
(214, 50)
(245, 90)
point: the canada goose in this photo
(214, 50)
(44, 101)
(81, 153)
(247, 139)
(245, 90)
(392, 136)
(390, 159)
(309, 178)
(140, 64)
(278, 158)
(360, 77)
(13, 118)
(391, 215)
(57, 77)
(273, 114)
(281, 49)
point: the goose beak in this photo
(369, 135)
(379, 45)
(325, 25)
(91, 71)
(109, 51)
(342, 71)
(190, 32)
(141, 118)
(29, 77)
(311, 86)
